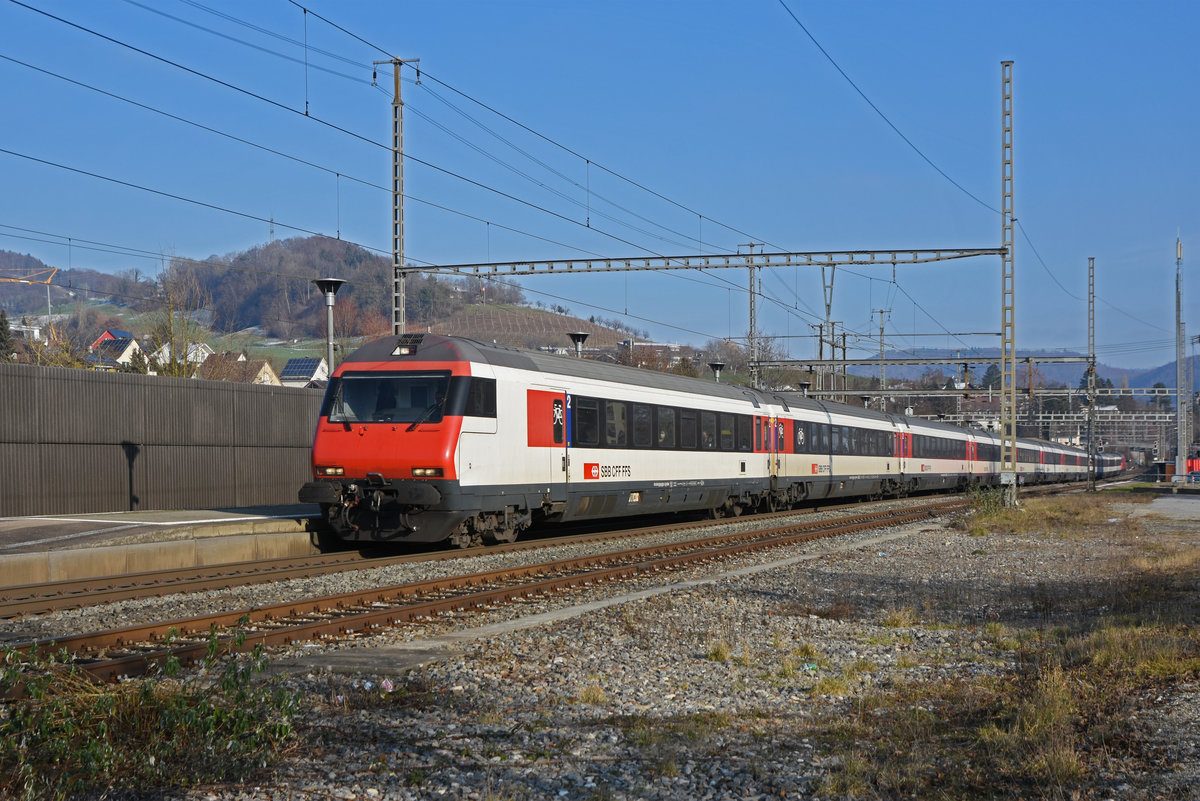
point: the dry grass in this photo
(1079, 515)
(718, 651)
(1058, 723)
(593, 694)
(900, 618)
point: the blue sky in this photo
(728, 111)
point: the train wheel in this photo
(497, 535)
(465, 539)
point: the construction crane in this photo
(30, 275)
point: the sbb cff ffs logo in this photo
(591, 470)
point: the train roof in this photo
(440, 348)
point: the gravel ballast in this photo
(710, 683)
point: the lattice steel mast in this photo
(399, 274)
(1008, 367)
(1091, 375)
(1182, 396)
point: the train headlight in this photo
(427, 472)
(327, 470)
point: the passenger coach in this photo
(424, 437)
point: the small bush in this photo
(719, 651)
(900, 618)
(593, 694)
(62, 735)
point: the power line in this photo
(173, 196)
(939, 170)
(426, 74)
(276, 35)
(203, 75)
(443, 128)
(317, 119)
(883, 116)
(243, 42)
(280, 153)
(307, 116)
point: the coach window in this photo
(745, 434)
(687, 428)
(614, 424)
(642, 435)
(666, 426)
(708, 431)
(801, 436)
(725, 443)
(587, 422)
(481, 398)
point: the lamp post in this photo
(578, 337)
(716, 368)
(329, 287)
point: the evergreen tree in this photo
(6, 337)
(991, 378)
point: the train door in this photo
(902, 448)
(774, 438)
(549, 413)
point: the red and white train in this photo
(424, 438)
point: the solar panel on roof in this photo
(303, 367)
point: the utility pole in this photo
(845, 382)
(1091, 375)
(755, 291)
(1008, 365)
(399, 274)
(1182, 399)
(882, 367)
(827, 290)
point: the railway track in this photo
(133, 650)
(45, 597)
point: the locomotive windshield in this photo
(386, 397)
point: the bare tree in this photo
(179, 320)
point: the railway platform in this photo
(56, 547)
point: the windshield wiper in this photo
(425, 415)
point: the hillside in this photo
(68, 285)
(1065, 374)
(524, 327)
(268, 289)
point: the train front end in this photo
(383, 457)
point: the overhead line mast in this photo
(1183, 400)
(1008, 366)
(399, 274)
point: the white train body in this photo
(425, 437)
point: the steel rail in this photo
(44, 597)
(349, 614)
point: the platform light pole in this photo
(329, 287)
(578, 337)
